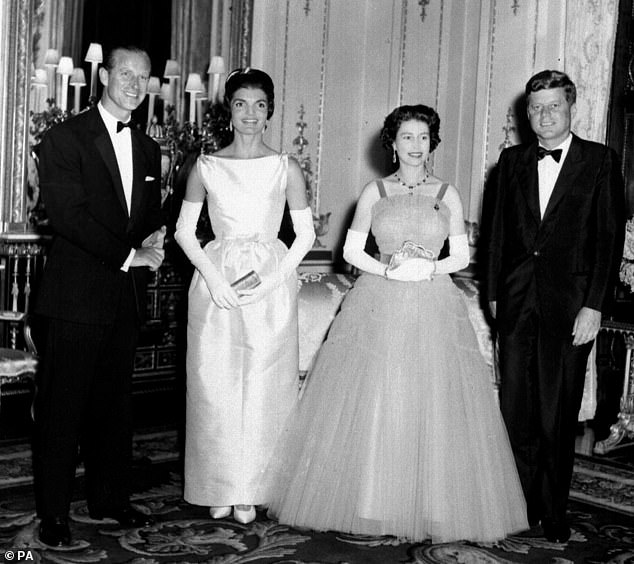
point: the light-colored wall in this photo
(350, 62)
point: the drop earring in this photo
(394, 156)
(230, 125)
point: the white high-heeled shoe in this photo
(244, 516)
(219, 511)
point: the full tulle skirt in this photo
(398, 431)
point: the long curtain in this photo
(589, 54)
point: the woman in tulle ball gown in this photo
(398, 431)
(242, 342)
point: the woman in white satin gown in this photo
(242, 345)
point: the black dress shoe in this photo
(556, 532)
(54, 531)
(128, 517)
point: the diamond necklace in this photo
(411, 187)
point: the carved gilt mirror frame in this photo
(15, 54)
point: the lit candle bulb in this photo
(40, 86)
(166, 96)
(172, 73)
(200, 98)
(51, 59)
(94, 56)
(192, 87)
(77, 80)
(216, 68)
(153, 90)
(64, 69)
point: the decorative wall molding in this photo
(471, 59)
(322, 91)
(423, 9)
(401, 74)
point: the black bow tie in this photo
(121, 125)
(542, 152)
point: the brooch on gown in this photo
(409, 250)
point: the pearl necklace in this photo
(411, 187)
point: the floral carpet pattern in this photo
(602, 525)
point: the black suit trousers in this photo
(83, 411)
(541, 388)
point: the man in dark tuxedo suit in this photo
(556, 239)
(100, 183)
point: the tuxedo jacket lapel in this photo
(570, 169)
(106, 150)
(138, 181)
(528, 180)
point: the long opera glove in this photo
(354, 253)
(304, 239)
(458, 255)
(185, 235)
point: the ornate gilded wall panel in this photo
(14, 93)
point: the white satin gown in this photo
(242, 363)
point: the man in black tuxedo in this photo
(555, 242)
(100, 184)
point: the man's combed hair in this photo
(547, 79)
(111, 59)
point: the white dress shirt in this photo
(548, 170)
(122, 143)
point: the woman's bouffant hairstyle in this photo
(418, 112)
(552, 79)
(249, 78)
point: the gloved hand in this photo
(268, 284)
(413, 270)
(223, 295)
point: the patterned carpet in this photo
(601, 515)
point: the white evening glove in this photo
(413, 270)
(354, 253)
(221, 291)
(458, 255)
(304, 239)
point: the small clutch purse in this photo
(409, 250)
(250, 280)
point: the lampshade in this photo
(194, 83)
(172, 69)
(78, 78)
(216, 66)
(65, 66)
(39, 78)
(52, 57)
(154, 85)
(94, 53)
